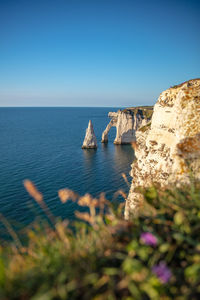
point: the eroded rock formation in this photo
(127, 122)
(90, 141)
(169, 149)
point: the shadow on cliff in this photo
(126, 138)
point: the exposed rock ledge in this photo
(170, 148)
(127, 122)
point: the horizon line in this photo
(63, 106)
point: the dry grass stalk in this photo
(85, 217)
(17, 263)
(66, 194)
(102, 202)
(87, 200)
(102, 199)
(120, 192)
(38, 197)
(60, 228)
(32, 190)
(10, 230)
(125, 179)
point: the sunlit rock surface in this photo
(127, 122)
(169, 149)
(90, 141)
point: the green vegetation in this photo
(156, 255)
(147, 111)
(145, 127)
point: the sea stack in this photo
(90, 141)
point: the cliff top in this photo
(167, 97)
(187, 81)
(142, 107)
(147, 111)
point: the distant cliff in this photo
(169, 150)
(127, 122)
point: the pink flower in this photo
(162, 272)
(149, 239)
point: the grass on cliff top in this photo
(146, 110)
(155, 255)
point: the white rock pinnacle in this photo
(90, 141)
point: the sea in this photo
(44, 146)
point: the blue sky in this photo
(95, 53)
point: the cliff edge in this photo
(127, 122)
(168, 150)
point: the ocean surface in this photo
(44, 145)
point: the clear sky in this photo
(96, 53)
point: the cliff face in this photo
(167, 151)
(127, 122)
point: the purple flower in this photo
(149, 239)
(162, 272)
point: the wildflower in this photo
(162, 272)
(149, 239)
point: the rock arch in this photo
(127, 122)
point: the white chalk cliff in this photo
(169, 149)
(90, 141)
(127, 122)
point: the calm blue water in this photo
(44, 145)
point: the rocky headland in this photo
(168, 151)
(127, 122)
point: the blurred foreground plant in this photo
(154, 256)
